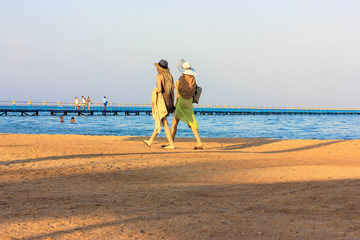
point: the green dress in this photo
(185, 111)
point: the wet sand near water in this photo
(107, 187)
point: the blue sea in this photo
(214, 126)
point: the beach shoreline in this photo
(110, 187)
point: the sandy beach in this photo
(106, 187)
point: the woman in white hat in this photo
(164, 85)
(185, 87)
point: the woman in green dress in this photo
(185, 87)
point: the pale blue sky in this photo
(257, 53)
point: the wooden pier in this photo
(132, 109)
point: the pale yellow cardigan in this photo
(159, 110)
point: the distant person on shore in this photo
(162, 103)
(88, 102)
(83, 102)
(61, 119)
(76, 103)
(72, 120)
(105, 101)
(185, 88)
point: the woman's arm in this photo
(176, 85)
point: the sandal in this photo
(198, 147)
(147, 143)
(165, 145)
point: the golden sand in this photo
(101, 187)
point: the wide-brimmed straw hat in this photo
(163, 64)
(185, 68)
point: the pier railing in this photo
(243, 110)
(56, 108)
(61, 108)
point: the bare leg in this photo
(150, 141)
(175, 122)
(197, 137)
(168, 133)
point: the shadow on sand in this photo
(163, 202)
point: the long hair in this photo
(168, 80)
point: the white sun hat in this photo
(185, 68)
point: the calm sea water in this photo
(242, 126)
